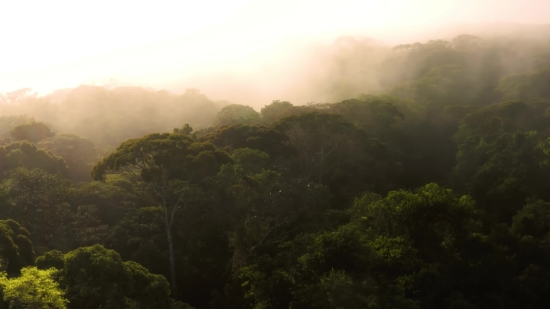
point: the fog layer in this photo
(243, 51)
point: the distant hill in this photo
(531, 31)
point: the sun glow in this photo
(54, 44)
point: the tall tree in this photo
(169, 164)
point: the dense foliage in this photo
(424, 184)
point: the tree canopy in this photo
(25, 154)
(416, 176)
(33, 132)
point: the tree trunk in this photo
(168, 220)
(172, 263)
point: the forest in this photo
(422, 182)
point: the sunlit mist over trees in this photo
(264, 155)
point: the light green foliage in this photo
(34, 289)
(236, 114)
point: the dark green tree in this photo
(33, 132)
(168, 163)
(16, 249)
(251, 160)
(525, 86)
(37, 200)
(276, 111)
(265, 139)
(24, 154)
(406, 250)
(79, 153)
(501, 157)
(113, 198)
(236, 114)
(7, 123)
(334, 152)
(94, 277)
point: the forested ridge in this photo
(424, 184)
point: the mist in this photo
(164, 81)
(275, 154)
(247, 52)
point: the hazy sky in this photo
(53, 44)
